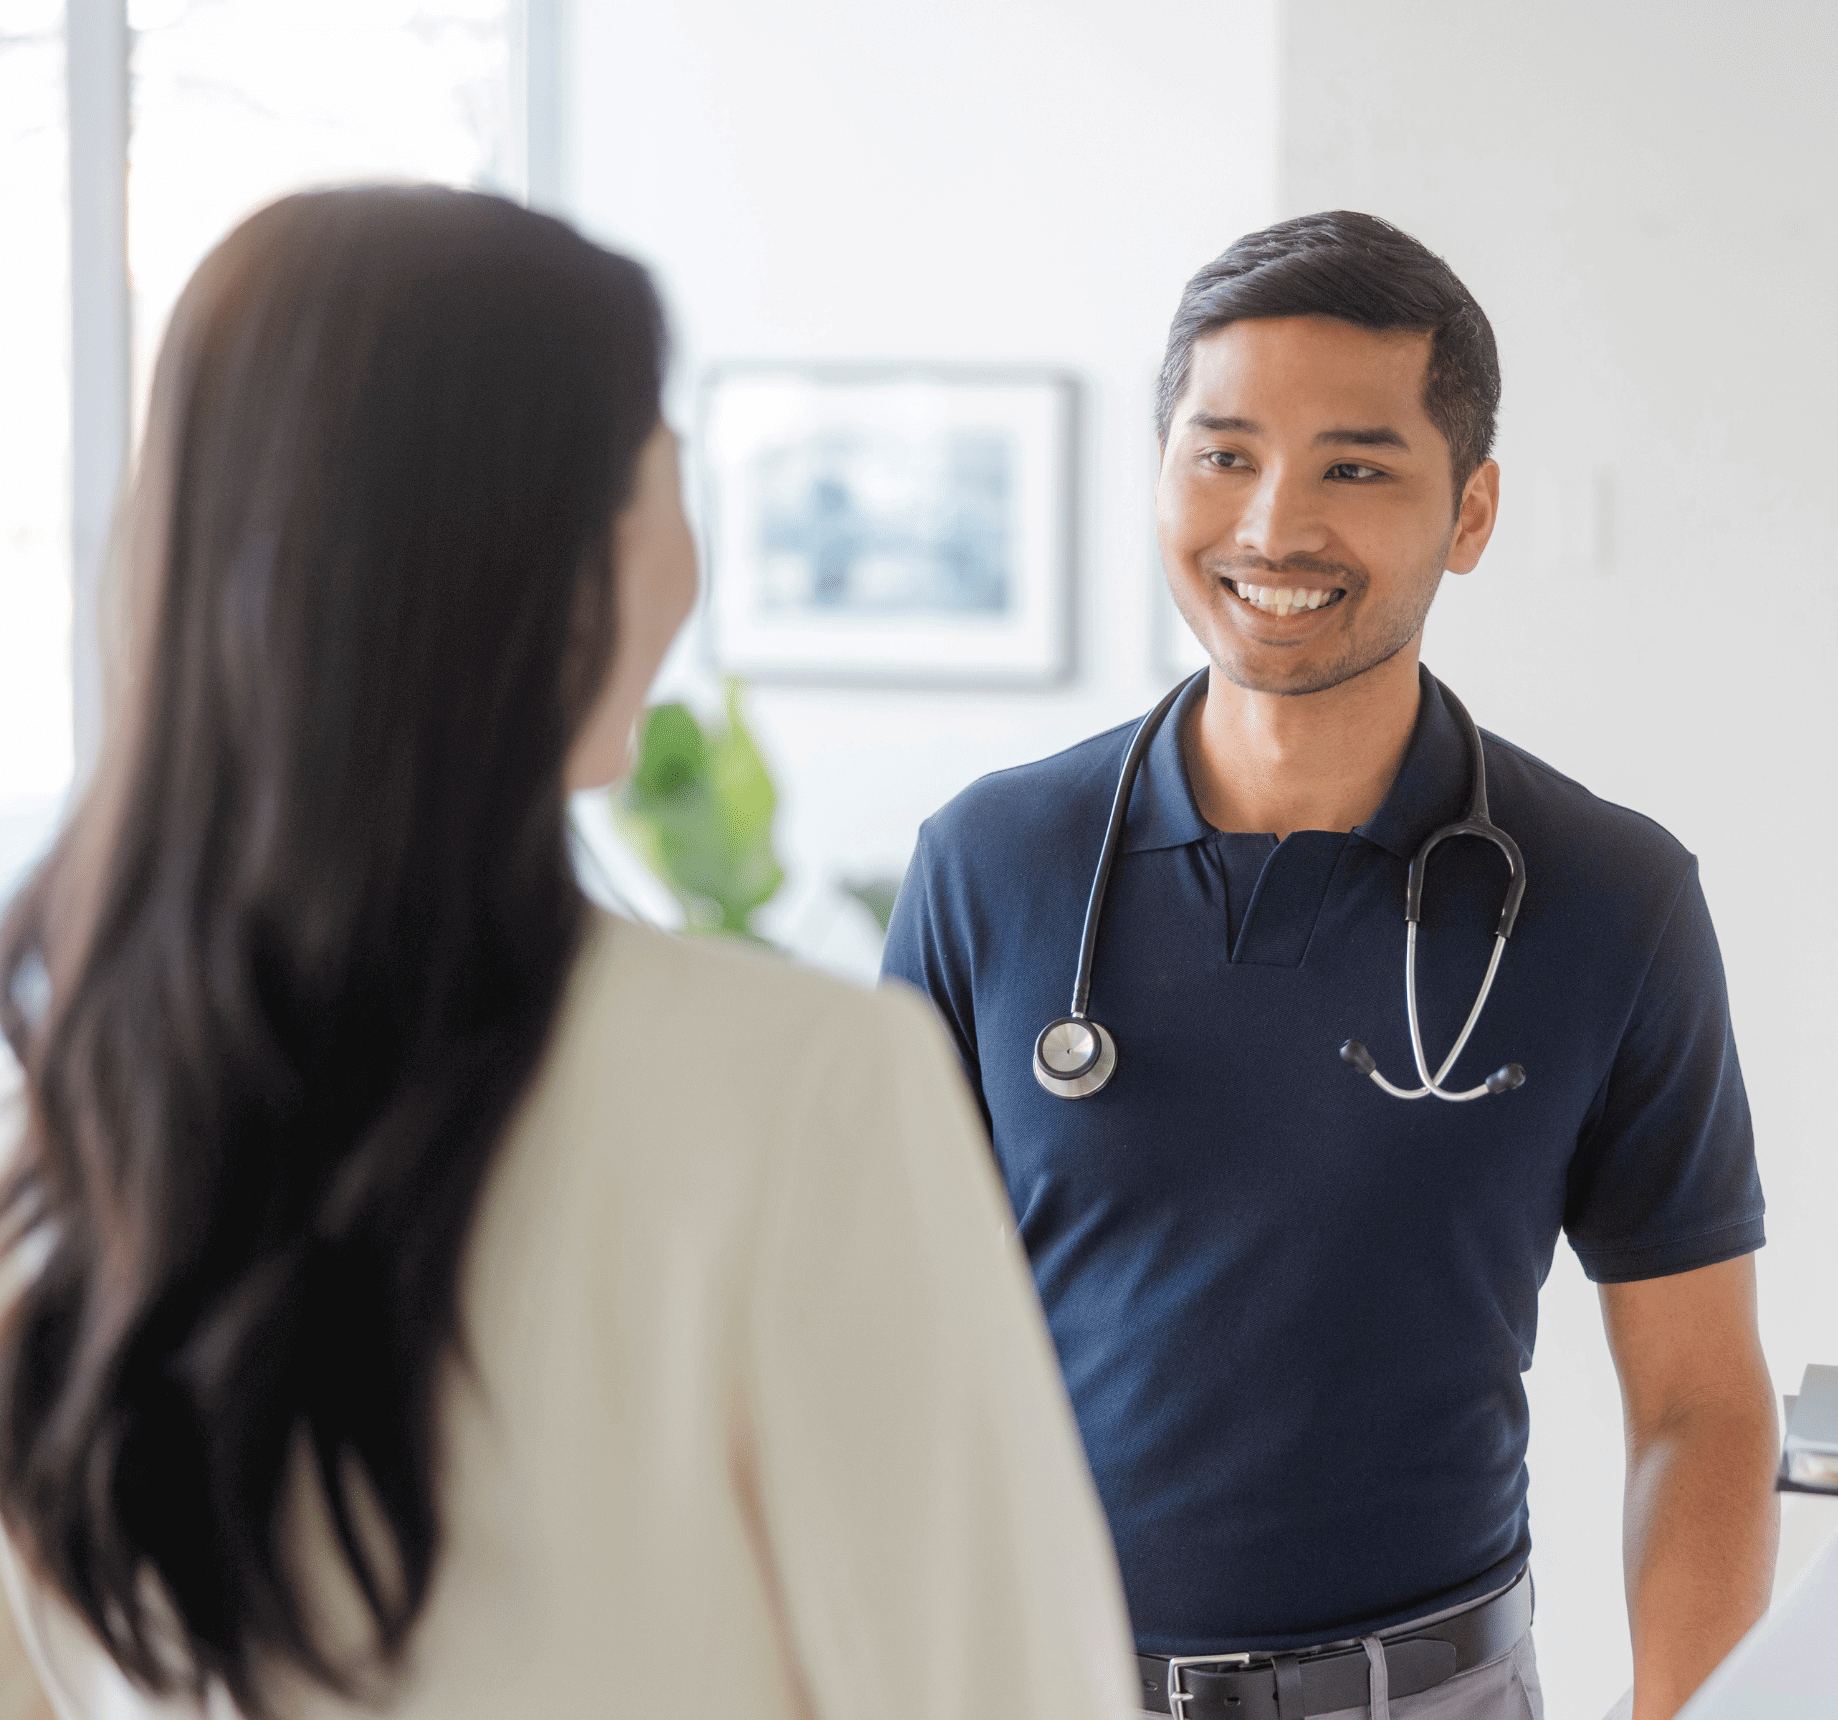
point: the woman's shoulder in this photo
(691, 1087)
(713, 1023)
(745, 1002)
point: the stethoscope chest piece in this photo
(1074, 1057)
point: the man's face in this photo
(1305, 506)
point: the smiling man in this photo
(1294, 1306)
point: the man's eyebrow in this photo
(1352, 436)
(1378, 436)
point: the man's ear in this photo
(1475, 517)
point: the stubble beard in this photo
(1361, 650)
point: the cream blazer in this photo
(766, 1424)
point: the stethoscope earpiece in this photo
(1500, 1081)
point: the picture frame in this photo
(890, 524)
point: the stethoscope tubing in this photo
(1113, 840)
(1434, 1084)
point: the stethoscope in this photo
(1075, 1056)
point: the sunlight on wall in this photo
(235, 102)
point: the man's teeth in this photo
(1280, 599)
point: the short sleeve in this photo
(1664, 1178)
(936, 1540)
(922, 951)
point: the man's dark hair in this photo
(1360, 270)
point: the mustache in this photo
(1261, 570)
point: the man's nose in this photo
(1283, 518)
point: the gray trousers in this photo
(1503, 1689)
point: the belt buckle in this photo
(1178, 1663)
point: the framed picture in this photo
(892, 525)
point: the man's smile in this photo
(1284, 600)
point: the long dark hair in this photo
(284, 976)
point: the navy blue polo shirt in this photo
(1293, 1313)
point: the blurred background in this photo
(992, 207)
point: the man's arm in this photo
(1700, 1521)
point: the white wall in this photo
(999, 180)
(1639, 195)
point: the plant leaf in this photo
(672, 754)
(699, 810)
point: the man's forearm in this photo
(1699, 1536)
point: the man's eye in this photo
(1351, 471)
(1225, 459)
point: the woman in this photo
(428, 1292)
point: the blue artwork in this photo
(888, 524)
(881, 524)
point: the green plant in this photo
(699, 810)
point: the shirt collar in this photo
(1431, 788)
(1163, 812)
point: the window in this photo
(229, 104)
(35, 731)
(235, 102)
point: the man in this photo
(1293, 1312)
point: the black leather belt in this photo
(1292, 1684)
